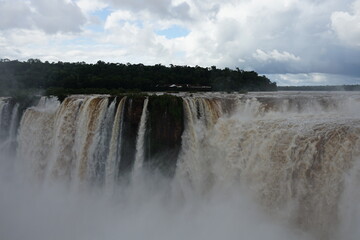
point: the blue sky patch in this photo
(103, 13)
(95, 28)
(174, 31)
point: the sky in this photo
(293, 42)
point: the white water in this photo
(261, 166)
(140, 140)
(114, 148)
(92, 113)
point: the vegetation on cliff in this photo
(105, 77)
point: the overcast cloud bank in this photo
(279, 38)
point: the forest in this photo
(102, 77)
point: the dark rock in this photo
(164, 129)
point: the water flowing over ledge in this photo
(296, 155)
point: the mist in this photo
(153, 208)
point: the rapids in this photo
(251, 166)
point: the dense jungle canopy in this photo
(103, 77)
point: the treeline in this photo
(35, 74)
(320, 88)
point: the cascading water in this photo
(10, 134)
(8, 125)
(140, 151)
(201, 115)
(102, 145)
(91, 116)
(293, 158)
(112, 164)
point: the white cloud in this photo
(15, 15)
(312, 79)
(160, 8)
(278, 36)
(50, 16)
(114, 18)
(88, 6)
(274, 55)
(347, 25)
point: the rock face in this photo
(165, 126)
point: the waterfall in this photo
(140, 150)
(12, 127)
(13, 124)
(5, 118)
(102, 150)
(295, 160)
(200, 117)
(296, 154)
(112, 164)
(3, 103)
(91, 115)
(8, 129)
(36, 139)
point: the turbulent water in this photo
(254, 166)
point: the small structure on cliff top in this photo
(182, 87)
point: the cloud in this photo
(160, 8)
(15, 14)
(49, 16)
(113, 20)
(270, 37)
(312, 79)
(274, 55)
(347, 25)
(88, 6)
